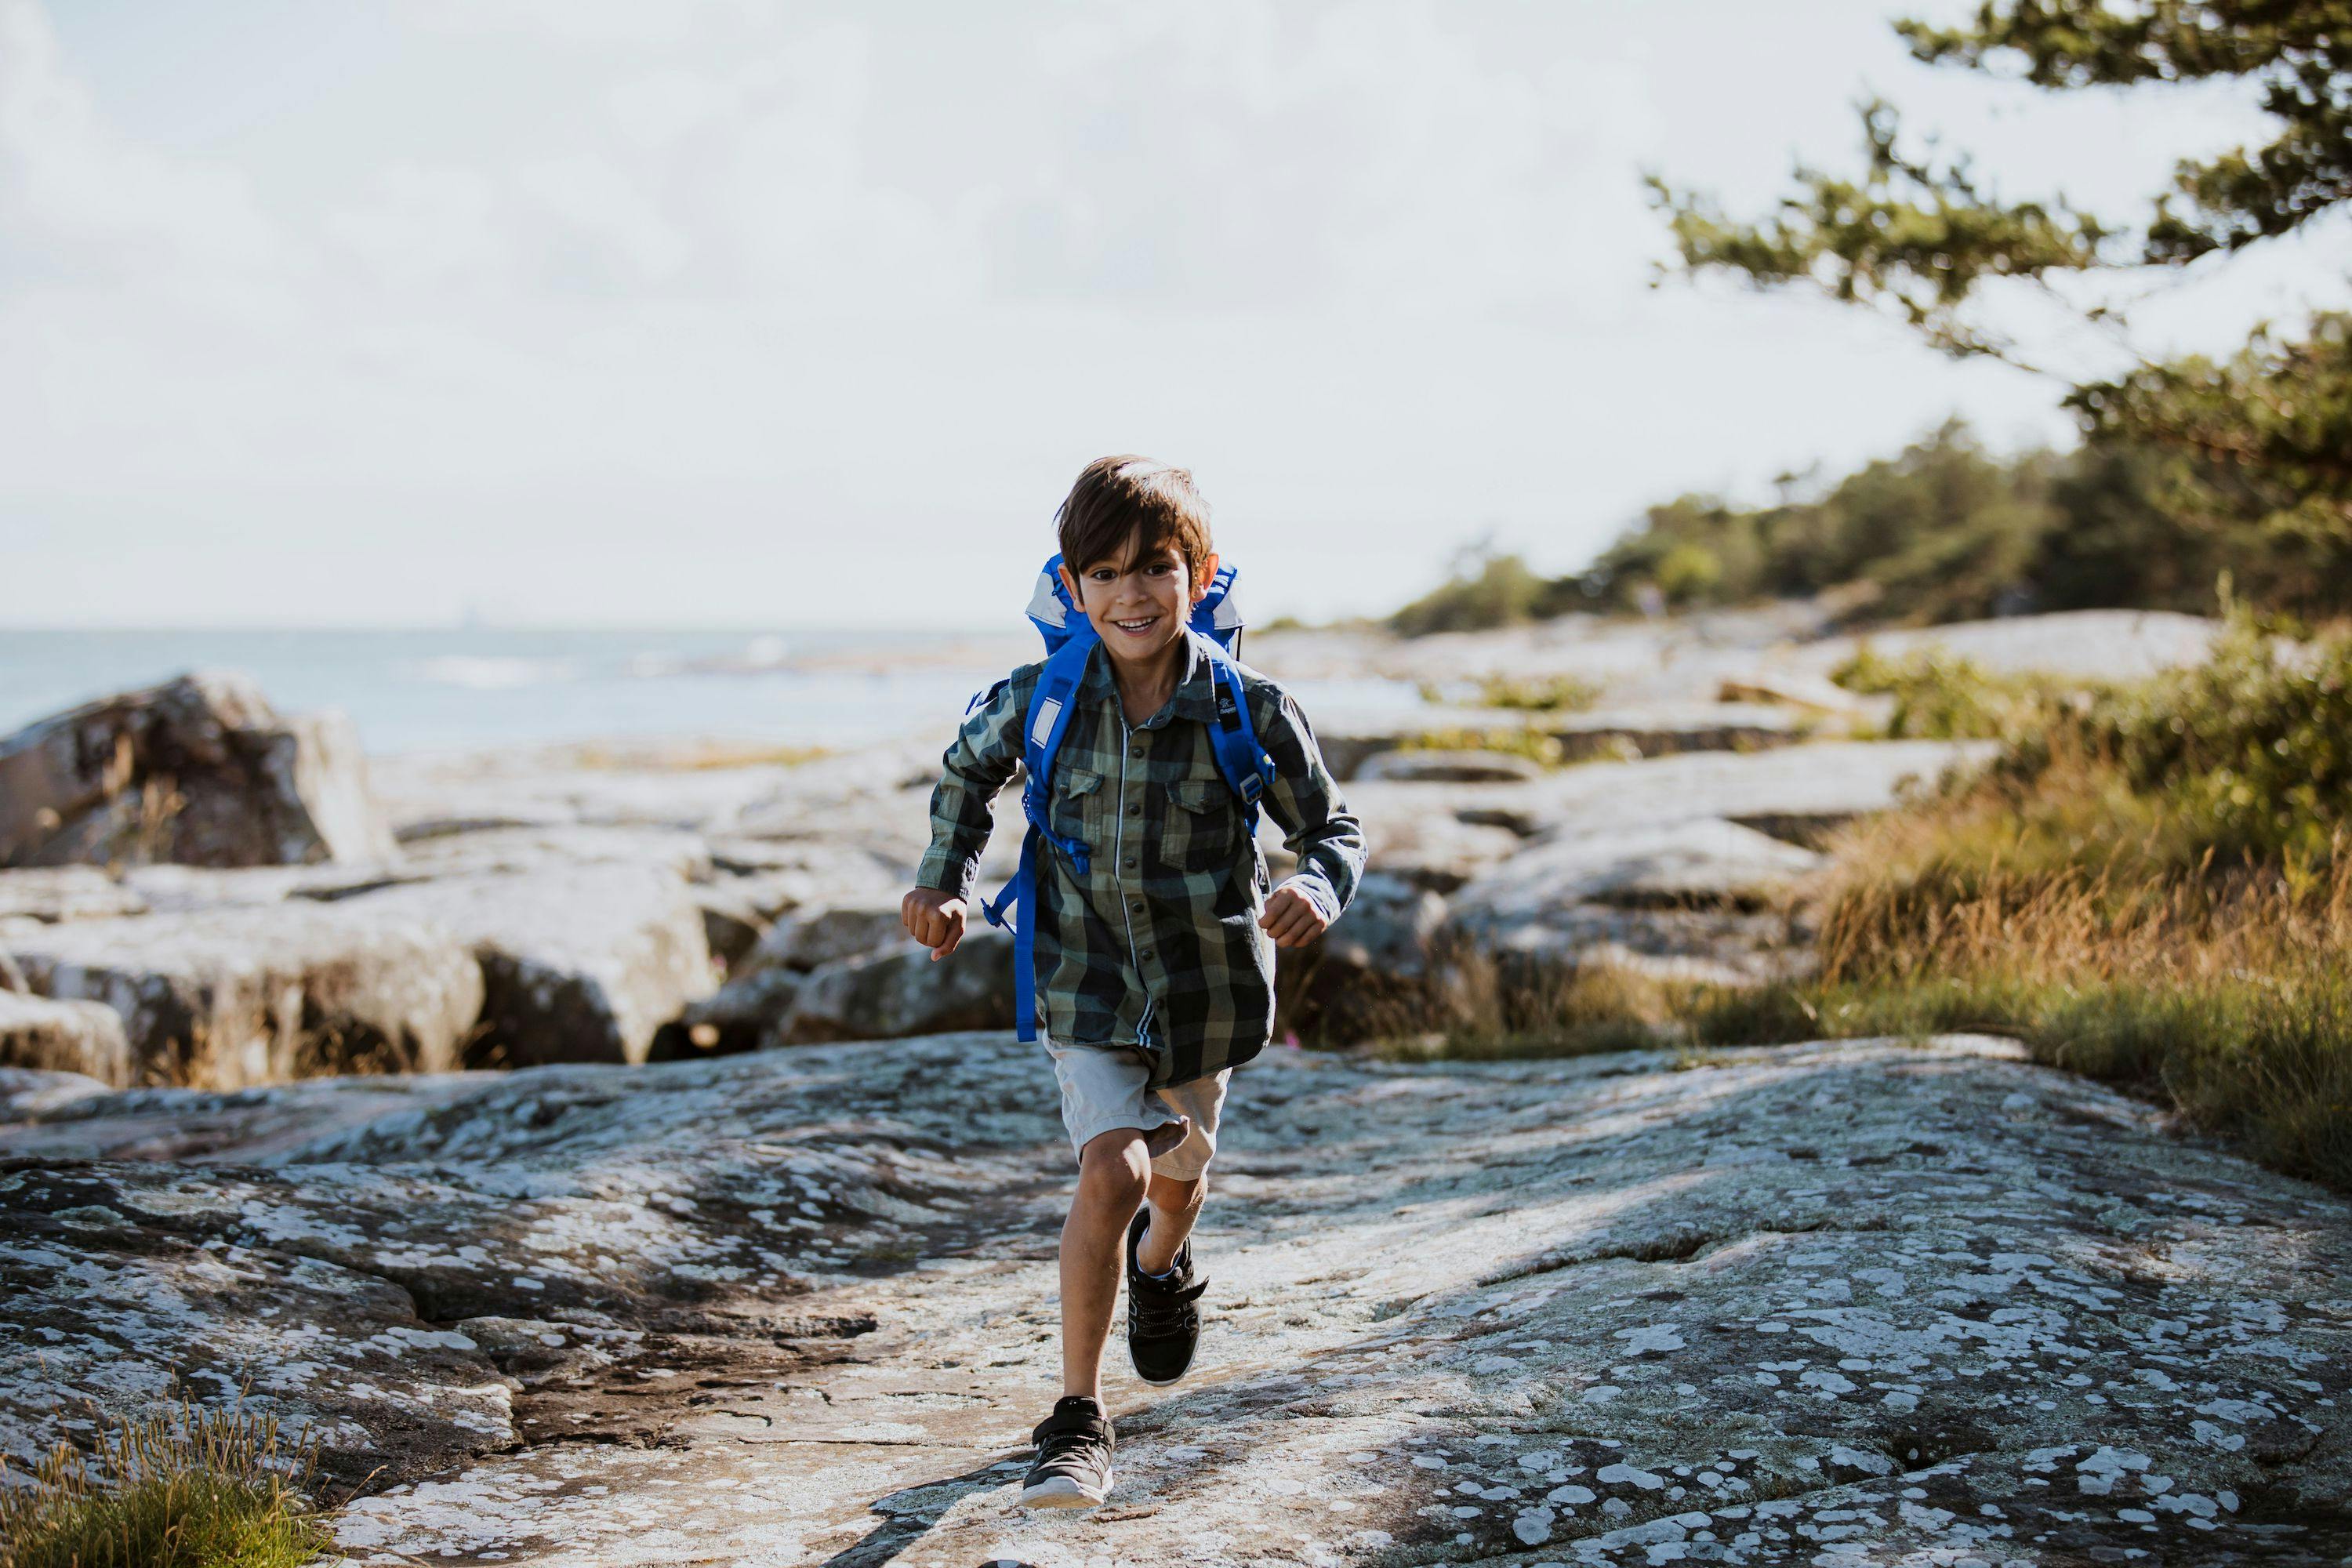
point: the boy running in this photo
(1154, 963)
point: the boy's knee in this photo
(1116, 1165)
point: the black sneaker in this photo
(1073, 1465)
(1164, 1324)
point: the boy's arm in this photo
(986, 752)
(1303, 800)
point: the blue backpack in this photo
(1070, 638)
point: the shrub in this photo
(1939, 696)
(1503, 592)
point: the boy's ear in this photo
(1208, 575)
(1070, 586)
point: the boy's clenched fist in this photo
(934, 919)
(1293, 919)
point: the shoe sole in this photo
(1060, 1491)
(1170, 1379)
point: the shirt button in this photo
(1147, 953)
(1135, 811)
(1131, 862)
(1136, 752)
(1135, 904)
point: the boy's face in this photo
(1139, 606)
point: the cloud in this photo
(694, 311)
(75, 193)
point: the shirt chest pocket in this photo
(1202, 828)
(1077, 808)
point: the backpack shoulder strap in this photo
(1234, 737)
(1043, 727)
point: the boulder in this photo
(200, 770)
(812, 938)
(904, 991)
(66, 893)
(578, 964)
(738, 1016)
(238, 996)
(46, 1036)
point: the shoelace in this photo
(1162, 1309)
(1055, 1447)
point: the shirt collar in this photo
(1196, 688)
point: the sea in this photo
(472, 688)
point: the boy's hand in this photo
(934, 919)
(1292, 919)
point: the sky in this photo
(720, 312)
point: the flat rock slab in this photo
(579, 962)
(2092, 644)
(681, 853)
(1653, 730)
(1915, 1302)
(246, 995)
(66, 893)
(1822, 781)
(1702, 861)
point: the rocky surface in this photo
(1858, 1303)
(603, 894)
(200, 770)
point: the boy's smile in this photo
(1138, 607)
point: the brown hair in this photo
(1129, 498)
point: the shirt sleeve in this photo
(1305, 802)
(986, 752)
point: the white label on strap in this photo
(1041, 725)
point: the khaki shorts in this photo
(1105, 1088)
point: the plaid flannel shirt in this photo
(1158, 944)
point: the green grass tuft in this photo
(186, 1488)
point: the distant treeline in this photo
(1946, 530)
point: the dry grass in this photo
(2220, 990)
(186, 1488)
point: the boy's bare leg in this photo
(1113, 1174)
(1174, 1206)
